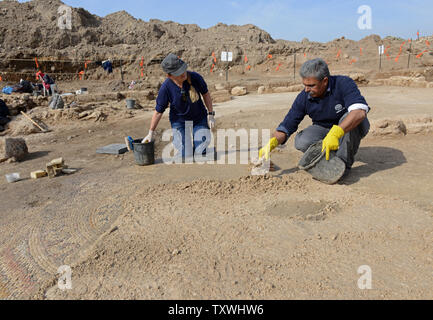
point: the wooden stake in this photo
(410, 51)
(25, 115)
(294, 67)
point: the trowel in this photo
(261, 167)
(128, 142)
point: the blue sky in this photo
(317, 20)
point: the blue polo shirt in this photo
(327, 111)
(171, 94)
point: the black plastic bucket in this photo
(144, 153)
(314, 162)
(130, 103)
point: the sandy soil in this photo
(215, 232)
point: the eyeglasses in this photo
(184, 95)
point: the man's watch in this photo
(211, 113)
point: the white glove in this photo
(211, 121)
(149, 137)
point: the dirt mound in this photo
(20, 126)
(116, 35)
(403, 126)
(120, 35)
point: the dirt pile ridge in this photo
(30, 29)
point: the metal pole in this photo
(380, 62)
(294, 67)
(121, 71)
(227, 71)
(410, 51)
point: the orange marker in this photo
(37, 64)
(269, 56)
(211, 68)
(142, 67)
(427, 43)
(278, 68)
(398, 57)
(386, 53)
(339, 53)
(248, 67)
(246, 59)
(81, 74)
(421, 54)
(1, 79)
(353, 61)
(399, 54)
(305, 55)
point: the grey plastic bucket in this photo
(130, 103)
(144, 153)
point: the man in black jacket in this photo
(4, 113)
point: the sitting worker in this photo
(181, 90)
(337, 108)
(48, 83)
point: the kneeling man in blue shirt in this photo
(337, 108)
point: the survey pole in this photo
(227, 72)
(294, 67)
(410, 51)
(380, 62)
(381, 52)
(121, 71)
(227, 63)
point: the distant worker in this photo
(49, 85)
(181, 90)
(337, 108)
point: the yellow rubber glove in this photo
(266, 151)
(332, 140)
